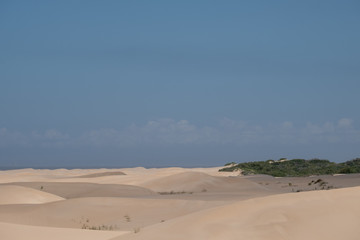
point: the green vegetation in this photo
(295, 167)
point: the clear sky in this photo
(177, 83)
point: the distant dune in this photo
(198, 182)
(102, 174)
(77, 190)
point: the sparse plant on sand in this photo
(127, 218)
(173, 192)
(87, 225)
(100, 227)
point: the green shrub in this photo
(295, 167)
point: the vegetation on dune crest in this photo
(294, 167)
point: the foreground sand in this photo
(175, 203)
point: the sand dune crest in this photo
(101, 174)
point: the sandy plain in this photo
(175, 203)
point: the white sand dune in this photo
(198, 203)
(10, 231)
(11, 194)
(330, 215)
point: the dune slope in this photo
(329, 215)
(11, 194)
(114, 213)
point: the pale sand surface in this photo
(175, 203)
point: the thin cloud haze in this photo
(164, 132)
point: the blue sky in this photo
(177, 83)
